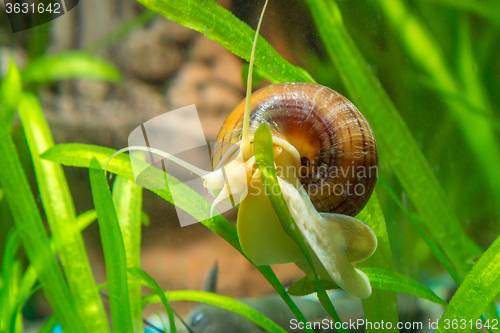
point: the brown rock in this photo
(147, 56)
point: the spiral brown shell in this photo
(336, 144)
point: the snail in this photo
(326, 157)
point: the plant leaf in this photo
(60, 211)
(220, 25)
(222, 302)
(477, 290)
(70, 65)
(263, 150)
(33, 235)
(380, 279)
(127, 197)
(114, 250)
(10, 92)
(153, 285)
(382, 304)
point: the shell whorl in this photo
(336, 144)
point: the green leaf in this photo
(305, 286)
(382, 304)
(10, 279)
(263, 150)
(33, 235)
(60, 211)
(380, 279)
(10, 92)
(222, 302)
(127, 197)
(477, 290)
(70, 65)
(80, 155)
(430, 243)
(151, 283)
(114, 250)
(394, 139)
(220, 25)
(490, 10)
(257, 78)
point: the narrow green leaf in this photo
(80, 155)
(33, 235)
(380, 279)
(220, 25)
(49, 325)
(10, 286)
(222, 302)
(430, 243)
(127, 197)
(263, 149)
(383, 279)
(382, 304)
(114, 250)
(477, 290)
(10, 92)
(60, 211)
(29, 278)
(490, 10)
(153, 285)
(70, 65)
(393, 137)
(305, 286)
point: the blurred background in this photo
(166, 66)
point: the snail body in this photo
(321, 143)
(337, 148)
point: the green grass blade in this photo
(10, 92)
(220, 25)
(383, 279)
(127, 197)
(394, 138)
(382, 304)
(33, 235)
(60, 211)
(380, 279)
(10, 284)
(222, 302)
(79, 155)
(49, 325)
(70, 65)
(430, 243)
(490, 10)
(477, 290)
(114, 250)
(153, 285)
(263, 149)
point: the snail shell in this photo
(338, 151)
